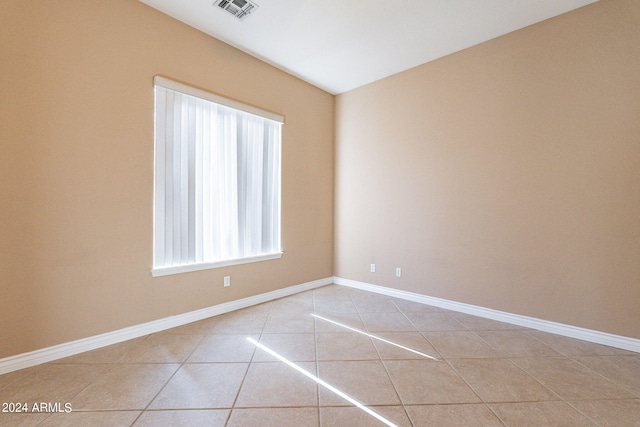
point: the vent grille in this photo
(238, 8)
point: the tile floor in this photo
(453, 370)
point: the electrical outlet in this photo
(398, 272)
(373, 268)
(227, 281)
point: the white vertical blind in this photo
(217, 184)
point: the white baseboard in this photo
(36, 357)
(617, 341)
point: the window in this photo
(216, 181)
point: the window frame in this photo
(226, 102)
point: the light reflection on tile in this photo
(413, 340)
(366, 381)
(344, 350)
(354, 417)
(295, 347)
(325, 386)
(206, 373)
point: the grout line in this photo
(315, 345)
(371, 337)
(577, 359)
(251, 361)
(172, 375)
(323, 383)
(384, 365)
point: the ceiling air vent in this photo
(238, 8)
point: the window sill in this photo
(165, 271)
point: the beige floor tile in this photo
(345, 346)
(202, 385)
(109, 354)
(307, 295)
(194, 328)
(274, 417)
(536, 414)
(516, 344)
(22, 420)
(570, 380)
(93, 419)
(412, 340)
(358, 292)
(163, 348)
(374, 303)
(623, 370)
(124, 387)
(330, 305)
(337, 295)
(573, 347)
(434, 321)
(469, 415)
(355, 417)
(386, 322)
(460, 344)
(332, 291)
(365, 381)
(294, 347)
(293, 305)
(527, 377)
(246, 321)
(611, 413)
(52, 382)
(476, 323)
(11, 377)
(499, 380)
(428, 382)
(224, 348)
(284, 322)
(410, 306)
(209, 418)
(274, 384)
(352, 320)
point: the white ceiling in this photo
(339, 45)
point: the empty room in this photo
(320, 213)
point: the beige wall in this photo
(506, 175)
(76, 169)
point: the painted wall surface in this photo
(76, 169)
(505, 176)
